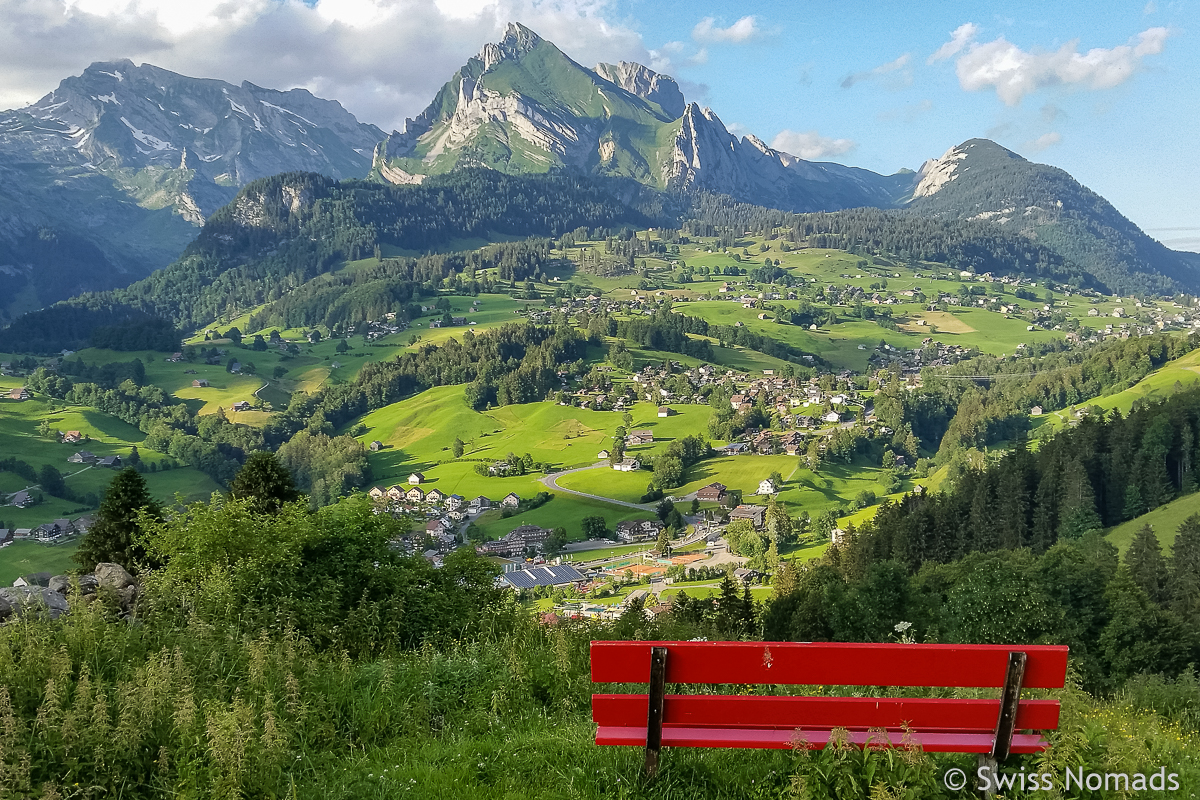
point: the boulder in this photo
(113, 575)
(34, 599)
(7, 607)
(88, 585)
(60, 584)
(126, 597)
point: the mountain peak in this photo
(645, 83)
(980, 153)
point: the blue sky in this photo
(1108, 94)
(1131, 135)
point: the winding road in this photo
(551, 482)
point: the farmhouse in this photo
(82, 457)
(199, 383)
(416, 478)
(21, 500)
(640, 437)
(638, 530)
(241, 405)
(767, 487)
(756, 514)
(72, 437)
(112, 462)
(20, 393)
(713, 493)
(627, 465)
(376, 446)
(665, 411)
(510, 500)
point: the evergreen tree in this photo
(1134, 506)
(264, 480)
(1147, 566)
(1078, 510)
(1184, 581)
(114, 535)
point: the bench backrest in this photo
(831, 664)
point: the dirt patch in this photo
(944, 321)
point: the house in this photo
(21, 500)
(434, 496)
(376, 446)
(199, 383)
(665, 411)
(435, 527)
(1036, 411)
(832, 416)
(235, 367)
(481, 503)
(72, 437)
(395, 493)
(517, 541)
(82, 457)
(637, 530)
(241, 405)
(20, 393)
(175, 358)
(756, 514)
(377, 493)
(627, 465)
(640, 437)
(533, 577)
(112, 462)
(767, 487)
(416, 478)
(510, 500)
(455, 502)
(602, 455)
(713, 493)
(415, 495)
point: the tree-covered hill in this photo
(282, 231)
(980, 180)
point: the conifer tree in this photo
(114, 535)
(1147, 566)
(264, 480)
(1184, 581)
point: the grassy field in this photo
(24, 558)
(1165, 521)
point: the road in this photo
(551, 482)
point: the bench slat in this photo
(830, 664)
(776, 739)
(702, 711)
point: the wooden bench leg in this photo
(654, 713)
(1010, 699)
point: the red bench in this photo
(988, 727)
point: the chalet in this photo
(377, 493)
(199, 383)
(640, 437)
(21, 500)
(416, 479)
(20, 393)
(415, 495)
(638, 530)
(434, 496)
(241, 405)
(767, 487)
(755, 514)
(112, 462)
(396, 493)
(713, 493)
(627, 465)
(72, 437)
(82, 457)
(665, 411)
(376, 446)
(510, 500)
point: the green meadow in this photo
(26, 557)
(1164, 520)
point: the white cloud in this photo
(902, 76)
(961, 36)
(1150, 8)
(382, 59)
(810, 145)
(743, 30)
(1014, 72)
(1045, 140)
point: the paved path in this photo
(551, 482)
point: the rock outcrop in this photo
(53, 600)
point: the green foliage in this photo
(265, 482)
(325, 467)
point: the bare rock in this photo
(113, 576)
(60, 584)
(34, 600)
